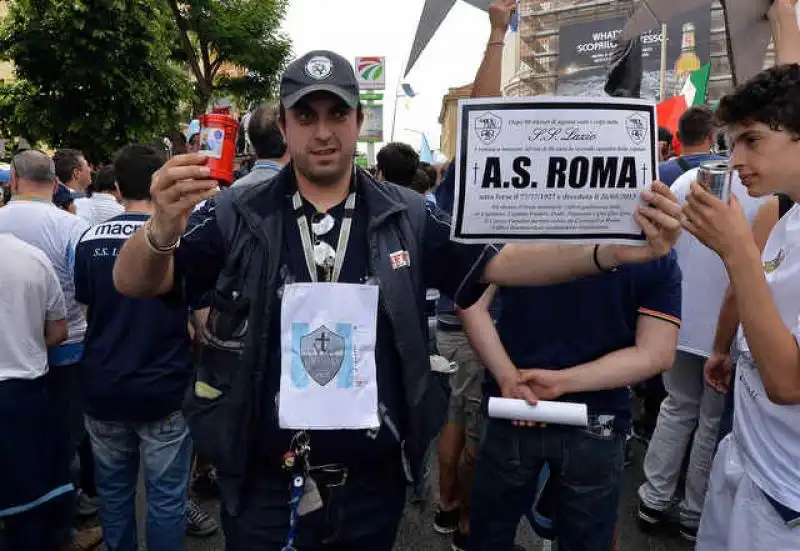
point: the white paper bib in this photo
(328, 374)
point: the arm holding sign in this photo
(547, 264)
(462, 271)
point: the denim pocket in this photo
(107, 430)
(593, 459)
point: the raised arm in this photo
(772, 344)
(487, 81)
(783, 20)
(719, 366)
(145, 265)
(547, 264)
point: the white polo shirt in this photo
(30, 295)
(56, 233)
(98, 208)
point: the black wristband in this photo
(597, 261)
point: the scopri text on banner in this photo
(554, 169)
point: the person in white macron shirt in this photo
(753, 500)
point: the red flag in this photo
(668, 113)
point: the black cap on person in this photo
(319, 71)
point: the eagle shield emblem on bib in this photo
(322, 354)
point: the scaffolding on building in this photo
(540, 21)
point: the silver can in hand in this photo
(716, 177)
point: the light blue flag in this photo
(513, 23)
(425, 151)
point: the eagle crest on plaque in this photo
(488, 127)
(637, 129)
(322, 354)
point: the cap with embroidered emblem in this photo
(319, 71)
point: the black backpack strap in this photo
(684, 164)
(784, 204)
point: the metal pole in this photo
(728, 44)
(371, 153)
(394, 113)
(662, 89)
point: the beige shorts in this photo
(465, 383)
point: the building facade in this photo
(532, 65)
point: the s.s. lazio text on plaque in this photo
(553, 169)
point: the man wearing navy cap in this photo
(315, 399)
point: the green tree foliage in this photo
(91, 74)
(218, 35)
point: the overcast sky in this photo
(386, 28)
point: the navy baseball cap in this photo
(319, 71)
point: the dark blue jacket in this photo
(236, 356)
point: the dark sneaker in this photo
(650, 518)
(198, 522)
(688, 533)
(446, 522)
(460, 541)
(206, 484)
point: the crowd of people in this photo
(270, 344)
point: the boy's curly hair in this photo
(771, 97)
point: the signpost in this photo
(558, 169)
(371, 74)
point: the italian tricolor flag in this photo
(693, 93)
(696, 87)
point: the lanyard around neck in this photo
(306, 237)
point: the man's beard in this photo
(328, 176)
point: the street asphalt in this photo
(416, 532)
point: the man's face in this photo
(767, 160)
(83, 175)
(321, 133)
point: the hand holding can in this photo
(716, 176)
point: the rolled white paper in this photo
(556, 413)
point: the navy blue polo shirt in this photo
(446, 265)
(561, 326)
(669, 171)
(445, 197)
(136, 357)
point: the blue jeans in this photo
(164, 448)
(588, 470)
(361, 514)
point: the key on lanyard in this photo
(296, 460)
(298, 487)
